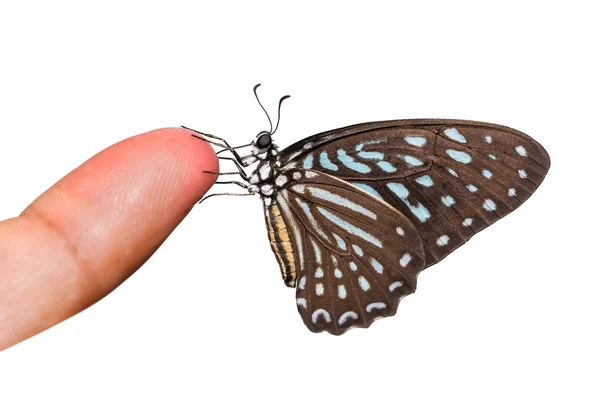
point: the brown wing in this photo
(450, 178)
(356, 256)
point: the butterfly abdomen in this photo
(281, 244)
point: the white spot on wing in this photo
(405, 259)
(376, 306)
(352, 266)
(487, 173)
(364, 284)
(337, 273)
(489, 205)
(346, 315)
(522, 173)
(472, 188)
(319, 273)
(400, 231)
(395, 285)
(521, 150)
(467, 222)
(377, 266)
(318, 313)
(302, 283)
(442, 240)
(488, 139)
(319, 289)
(342, 291)
(301, 302)
(512, 192)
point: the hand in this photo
(90, 231)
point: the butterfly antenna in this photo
(279, 112)
(261, 106)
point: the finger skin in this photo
(96, 226)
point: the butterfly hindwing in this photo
(355, 256)
(449, 178)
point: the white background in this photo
(513, 314)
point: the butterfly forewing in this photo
(356, 256)
(449, 178)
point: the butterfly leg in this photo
(225, 146)
(238, 166)
(240, 184)
(244, 177)
(226, 194)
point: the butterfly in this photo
(354, 214)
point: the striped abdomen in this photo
(281, 245)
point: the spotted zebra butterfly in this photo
(355, 214)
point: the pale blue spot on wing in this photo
(448, 200)
(425, 180)
(489, 205)
(399, 190)
(312, 219)
(367, 188)
(317, 251)
(472, 188)
(453, 134)
(340, 242)
(386, 166)
(350, 163)
(357, 250)
(348, 227)
(325, 163)
(415, 141)
(371, 155)
(342, 201)
(377, 266)
(360, 146)
(419, 211)
(459, 156)
(414, 161)
(308, 161)
(488, 174)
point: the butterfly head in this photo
(262, 143)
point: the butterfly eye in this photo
(263, 141)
